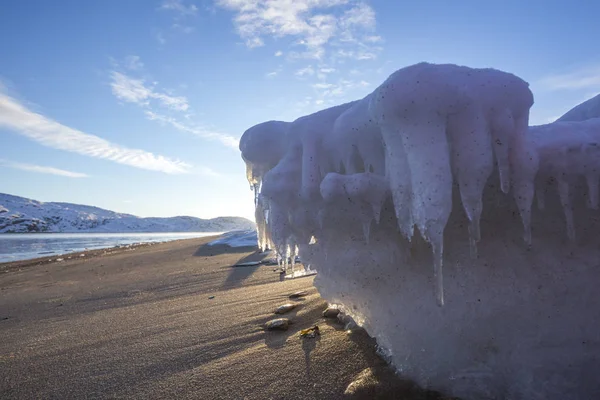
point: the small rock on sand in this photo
(299, 294)
(331, 312)
(310, 332)
(285, 308)
(278, 324)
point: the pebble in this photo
(299, 294)
(278, 324)
(331, 312)
(310, 332)
(285, 308)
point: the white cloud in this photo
(309, 70)
(225, 139)
(315, 24)
(41, 169)
(360, 54)
(45, 131)
(160, 38)
(361, 15)
(323, 85)
(272, 74)
(136, 91)
(373, 39)
(254, 42)
(278, 53)
(583, 78)
(133, 63)
(179, 6)
(339, 89)
(183, 28)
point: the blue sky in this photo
(137, 106)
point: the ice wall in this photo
(461, 304)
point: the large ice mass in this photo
(490, 297)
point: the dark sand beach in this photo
(141, 322)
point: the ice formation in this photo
(447, 149)
(560, 151)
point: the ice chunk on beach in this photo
(236, 239)
(353, 181)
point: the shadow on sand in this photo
(239, 273)
(207, 250)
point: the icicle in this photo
(565, 200)
(472, 163)
(436, 238)
(292, 249)
(398, 175)
(503, 127)
(366, 230)
(472, 244)
(525, 165)
(524, 198)
(377, 211)
(540, 197)
(321, 218)
(427, 151)
(592, 183)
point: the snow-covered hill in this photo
(18, 214)
(586, 110)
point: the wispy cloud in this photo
(47, 132)
(273, 74)
(164, 108)
(225, 139)
(41, 169)
(315, 25)
(582, 78)
(139, 92)
(183, 28)
(338, 89)
(278, 53)
(182, 12)
(133, 63)
(180, 7)
(309, 70)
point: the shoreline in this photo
(71, 256)
(88, 254)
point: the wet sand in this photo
(140, 322)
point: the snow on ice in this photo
(461, 304)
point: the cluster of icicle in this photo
(426, 128)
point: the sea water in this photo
(24, 246)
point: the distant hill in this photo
(20, 215)
(586, 110)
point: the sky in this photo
(137, 106)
